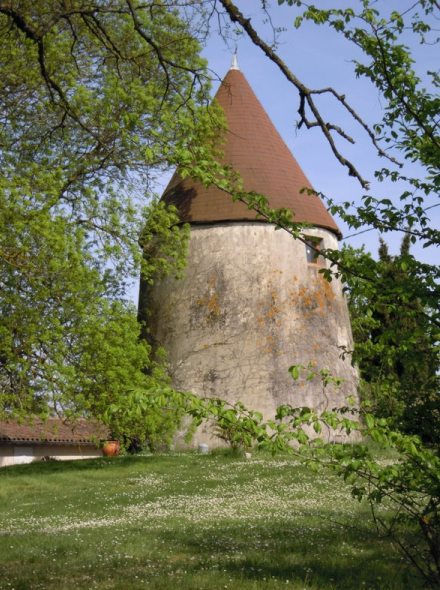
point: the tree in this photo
(395, 347)
(96, 98)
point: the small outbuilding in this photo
(49, 439)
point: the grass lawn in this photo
(188, 522)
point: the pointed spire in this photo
(255, 149)
(234, 64)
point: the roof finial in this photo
(234, 64)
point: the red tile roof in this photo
(52, 430)
(254, 148)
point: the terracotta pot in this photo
(111, 448)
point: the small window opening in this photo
(313, 246)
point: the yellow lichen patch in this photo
(273, 309)
(212, 306)
(212, 280)
(210, 301)
(260, 321)
(269, 320)
(326, 288)
(271, 345)
(314, 299)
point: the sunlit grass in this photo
(189, 522)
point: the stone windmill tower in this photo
(252, 302)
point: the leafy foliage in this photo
(95, 100)
(395, 346)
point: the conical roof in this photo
(255, 149)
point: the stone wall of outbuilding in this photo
(15, 454)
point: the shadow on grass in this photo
(344, 558)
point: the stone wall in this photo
(250, 306)
(11, 454)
